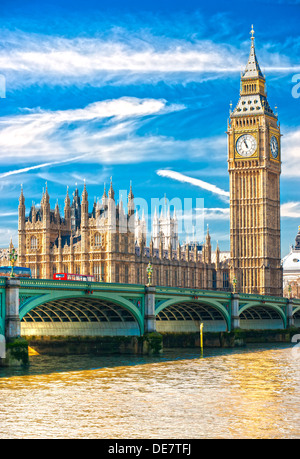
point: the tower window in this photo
(117, 276)
(126, 274)
(33, 243)
(98, 239)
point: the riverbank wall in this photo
(148, 344)
(154, 343)
(236, 338)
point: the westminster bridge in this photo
(37, 307)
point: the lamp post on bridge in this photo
(149, 272)
(234, 282)
(13, 258)
(235, 318)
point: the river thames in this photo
(251, 392)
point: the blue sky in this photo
(139, 91)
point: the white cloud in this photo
(52, 60)
(291, 153)
(290, 210)
(217, 213)
(6, 234)
(193, 181)
(102, 132)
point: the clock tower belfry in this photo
(254, 164)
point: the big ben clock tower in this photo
(254, 164)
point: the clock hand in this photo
(246, 143)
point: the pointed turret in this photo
(21, 228)
(45, 198)
(84, 195)
(21, 198)
(130, 201)
(67, 198)
(57, 213)
(21, 210)
(178, 251)
(111, 209)
(208, 247)
(122, 217)
(45, 208)
(84, 207)
(208, 238)
(111, 193)
(11, 246)
(187, 252)
(170, 251)
(84, 230)
(104, 197)
(75, 210)
(217, 256)
(32, 214)
(67, 211)
(151, 247)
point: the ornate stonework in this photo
(111, 245)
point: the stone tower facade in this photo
(254, 163)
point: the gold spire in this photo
(252, 33)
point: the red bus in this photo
(73, 277)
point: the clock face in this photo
(274, 146)
(246, 145)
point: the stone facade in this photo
(111, 245)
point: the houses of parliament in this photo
(112, 245)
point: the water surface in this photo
(253, 392)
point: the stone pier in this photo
(16, 352)
(150, 320)
(235, 318)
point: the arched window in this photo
(33, 243)
(97, 239)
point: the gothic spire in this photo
(67, 198)
(111, 193)
(84, 193)
(104, 192)
(130, 195)
(21, 198)
(252, 69)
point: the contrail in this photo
(193, 181)
(38, 166)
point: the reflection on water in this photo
(229, 393)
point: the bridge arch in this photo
(186, 314)
(262, 316)
(296, 315)
(97, 314)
